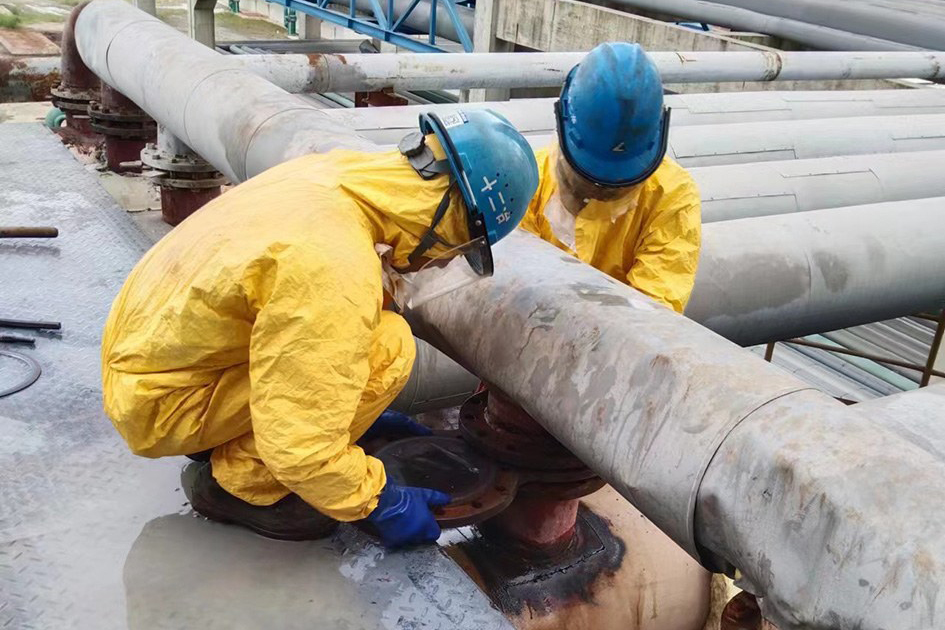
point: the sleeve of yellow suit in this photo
(308, 368)
(665, 262)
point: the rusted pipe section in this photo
(28, 78)
(127, 129)
(535, 524)
(79, 85)
(186, 181)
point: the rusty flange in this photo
(480, 487)
(492, 433)
(187, 182)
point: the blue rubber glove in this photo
(403, 515)
(395, 424)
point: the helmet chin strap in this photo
(430, 238)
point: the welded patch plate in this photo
(92, 536)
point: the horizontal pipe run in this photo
(771, 278)
(903, 21)
(796, 129)
(915, 416)
(738, 191)
(443, 71)
(812, 35)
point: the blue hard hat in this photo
(496, 172)
(612, 126)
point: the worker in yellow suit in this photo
(607, 193)
(255, 328)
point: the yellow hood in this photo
(398, 203)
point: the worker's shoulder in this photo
(673, 183)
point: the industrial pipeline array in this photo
(822, 210)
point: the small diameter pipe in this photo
(361, 72)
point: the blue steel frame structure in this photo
(383, 26)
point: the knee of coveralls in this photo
(237, 466)
(178, 413)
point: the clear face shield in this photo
(441, 275)
(576, 195)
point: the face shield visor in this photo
(441, 275)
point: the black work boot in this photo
(290, 518)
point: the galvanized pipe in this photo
(812, 35)
(741, 191)
(432, 71)
(775, 277)
(721, 450)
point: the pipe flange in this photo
(166, 181)
(98, 112)
(70, 99)
(561, 491)
(161, 161)
(515, 449)
(479, 487)
(128, 133)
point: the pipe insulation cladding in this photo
(833, 521)
(442, 71)
(829, 518)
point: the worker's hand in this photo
(404, 516)
(395, 424)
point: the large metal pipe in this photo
(730, 456)
(189, 88)
(916, 24)
(724, 452)
(770, 278)
(917, 417)
(696, 144)
(536, 116)
(741, 191)
(431, 71)
(812, 35)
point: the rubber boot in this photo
(290, 518)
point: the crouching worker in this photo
(256, 328)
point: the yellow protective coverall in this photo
(653, 246)
(255, 328)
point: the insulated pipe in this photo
(703, 145)
(441, 71)
(812, 35)
(436, 382)
(741, 191)
(188, 88)
(917, 416)
(644, 396)
(771, 278)
(908, 23)
(736, 460)
(537, 115)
